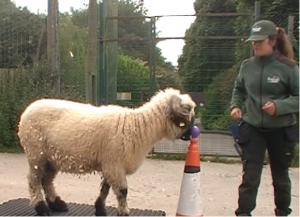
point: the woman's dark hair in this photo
(283, 44)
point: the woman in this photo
(265, 100)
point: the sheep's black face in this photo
(187, 131)
(182, 115)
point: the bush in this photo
(18, 88)
(215, 113)
(295, 161)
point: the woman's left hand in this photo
(269, 107)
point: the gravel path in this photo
(156, 185)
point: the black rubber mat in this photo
(21, 207)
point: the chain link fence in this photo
(38, 60)
(111, 52)
(207, 67)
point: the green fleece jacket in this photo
(270, 78)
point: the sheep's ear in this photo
(179, 112)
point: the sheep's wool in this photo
(80, 138)
(60, 135)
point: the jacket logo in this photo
(273, 80)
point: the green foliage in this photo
(30, 83)
(72, 49)
(295, 161)
(7, 6)
(208, 65)
(168, 78)
(132, 74)
(203, 59)
(215, 113)
(18, 88)
(19, 34)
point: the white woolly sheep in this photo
(71, 137)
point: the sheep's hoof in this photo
(42, 209)
(58, 205)
(100, 212)
(100, 208)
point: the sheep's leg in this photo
(120, 188)
(53, 200)
(121, 193)
(35, 189)
(101, 200)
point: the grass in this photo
(295, 161)
(218, 159)
(181, 157)
(15, 150)
(175, 157)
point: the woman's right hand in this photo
(236, 114)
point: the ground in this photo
(156, 185)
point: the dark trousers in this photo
(254, 143)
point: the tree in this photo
(136, 31)
(19, 35)
(132, 74)
(203, 59)
(7, 6)
(215, 114)
(72, 49)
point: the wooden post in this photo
(111, 49)
(102, 76)
(91, 55)
(52, 46)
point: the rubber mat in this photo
(21, 207)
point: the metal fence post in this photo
(152, 54)
(256, 18)
(257, 11)
(290, 31)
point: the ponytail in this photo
(283, 44)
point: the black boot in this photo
(279, 212)
(243, 215)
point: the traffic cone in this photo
(190, 202)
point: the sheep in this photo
(71, 137)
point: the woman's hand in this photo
(236, 114)
(269, 107)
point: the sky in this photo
(171, 48)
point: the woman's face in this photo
(263, 47)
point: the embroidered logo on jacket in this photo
(273, 79)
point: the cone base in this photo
(178, 215)
(190, 201)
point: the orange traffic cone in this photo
(190, 202)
